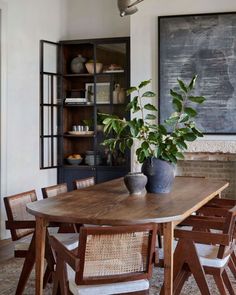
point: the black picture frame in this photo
(202, 44)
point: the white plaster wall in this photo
(24, 23)
(144, 50)
(95, 19)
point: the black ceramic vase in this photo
(160, 175)
(135, 182)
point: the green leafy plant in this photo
(155, 141)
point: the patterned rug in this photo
(10, 271)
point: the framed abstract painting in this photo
(205, 45)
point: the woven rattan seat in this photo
(109, 260)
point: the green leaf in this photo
(122, 146)
(184, 118)
(190, 111)
(150, 107)
(162, 129)
(192, 83)
(129, 142)
(145, 145)
(177, 105)
(190, 136)
(149, 94)
(172, 120)
(179, 155)
(150, 117)
(182, 85)
(144, 83)
(197, 99)
(130, 90)
(182, 145)
(176, 95)
(197, 132)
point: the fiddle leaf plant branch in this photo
(155, 140)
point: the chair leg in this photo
(27, 268)
(50, 261)
(180, 282)
(228, 283)
(196, 267)
(220, 284)
(159, 241)
(61, 280)
(232, 267)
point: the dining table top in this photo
(110, 203)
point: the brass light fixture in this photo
(126, 7)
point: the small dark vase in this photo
(160, 175)
(135, 182)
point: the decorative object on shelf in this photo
(102, 92)
(127, 7)
(118, 94)
(74, 159)
(154, 140)
(90, 67)
(77, 64)
(113, 68)
(91, 159)
(135, 182)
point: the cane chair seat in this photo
(69, 240)
(23, 243)
(208, 255)
(105, 289)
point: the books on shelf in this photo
(76, 100)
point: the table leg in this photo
(168, 234)
(40, 251)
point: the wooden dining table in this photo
(109, 203)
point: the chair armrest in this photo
(202, 237)
(221, 202)
(204, 222)
(20, 224)
(66, 255)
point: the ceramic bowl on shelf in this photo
(90, 67)
(74, 161)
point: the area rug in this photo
(10, 271)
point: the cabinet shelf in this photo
(92, 75)
(79, 135)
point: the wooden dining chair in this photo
(83, 183)
(22, 225)
(109, 260)
(206, 249)
(54, 190)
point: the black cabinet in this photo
(84, 79)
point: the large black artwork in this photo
(204, 45)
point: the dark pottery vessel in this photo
(135, 182)
(160, 174)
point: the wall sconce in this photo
(126, 7)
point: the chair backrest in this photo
(116, 254)
(16, 211)
(229, 229)
(54, 190)
(83, 183)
